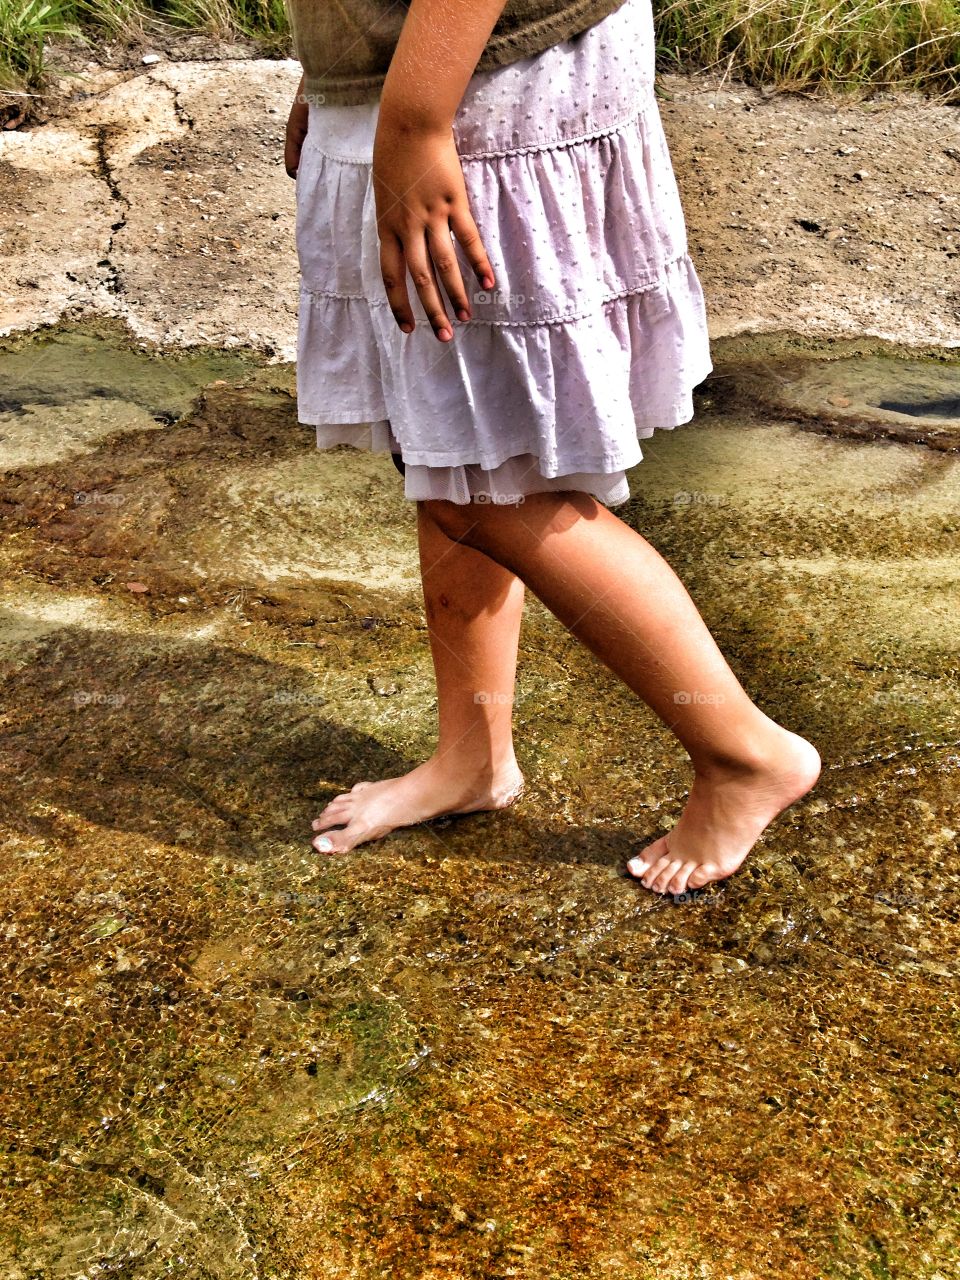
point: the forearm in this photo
(436, 55)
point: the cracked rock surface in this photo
(161, 199)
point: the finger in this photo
(447, 268)
(468, 237)
(293, 144)
(393, 269)
(292, 151)
(425, 283)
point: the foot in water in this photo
(724, 815)
(370, 810)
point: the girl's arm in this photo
(437, 53)
(417, 177)
(296, 131)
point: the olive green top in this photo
(345, 46)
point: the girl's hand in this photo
(420, 198)
(296, 132)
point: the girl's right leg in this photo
(473, 607)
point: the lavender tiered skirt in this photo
(595, 333)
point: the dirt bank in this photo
(158, 196)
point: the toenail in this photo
(325, 844)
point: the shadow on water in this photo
(927, 409)
(864, 390)
(473, 1049)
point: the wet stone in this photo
(869, 394)
(474, 1049)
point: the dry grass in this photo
(857, 45)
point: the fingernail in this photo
(325, 844)
(444, 334)
(463, 314)
(407, 327)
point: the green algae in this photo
(474, 1048)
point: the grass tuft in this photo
(856, 45)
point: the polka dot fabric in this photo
(595, 333)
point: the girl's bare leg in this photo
(473, 608)
(614, 591)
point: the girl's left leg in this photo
(473, 607)
(617, 594)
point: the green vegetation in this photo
(799, 44)
(28, 26)
(794, 44)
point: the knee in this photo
(454, 519)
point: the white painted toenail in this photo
(325, 844)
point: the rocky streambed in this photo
(474, 1049)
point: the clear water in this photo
(473, 1049)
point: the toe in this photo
(678, 883)
(653, 871)
(702, 873)
(670, 869)
(647, 857)
(346, 838)
(332, 816)
(329, 842)
(344, 797)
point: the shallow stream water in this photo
(473, 1049)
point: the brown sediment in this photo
(474, 1049)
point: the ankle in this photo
(488, 767)
(751, 755)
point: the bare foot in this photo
(370, 810)
(723, 817)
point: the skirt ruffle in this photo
(593, 338)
